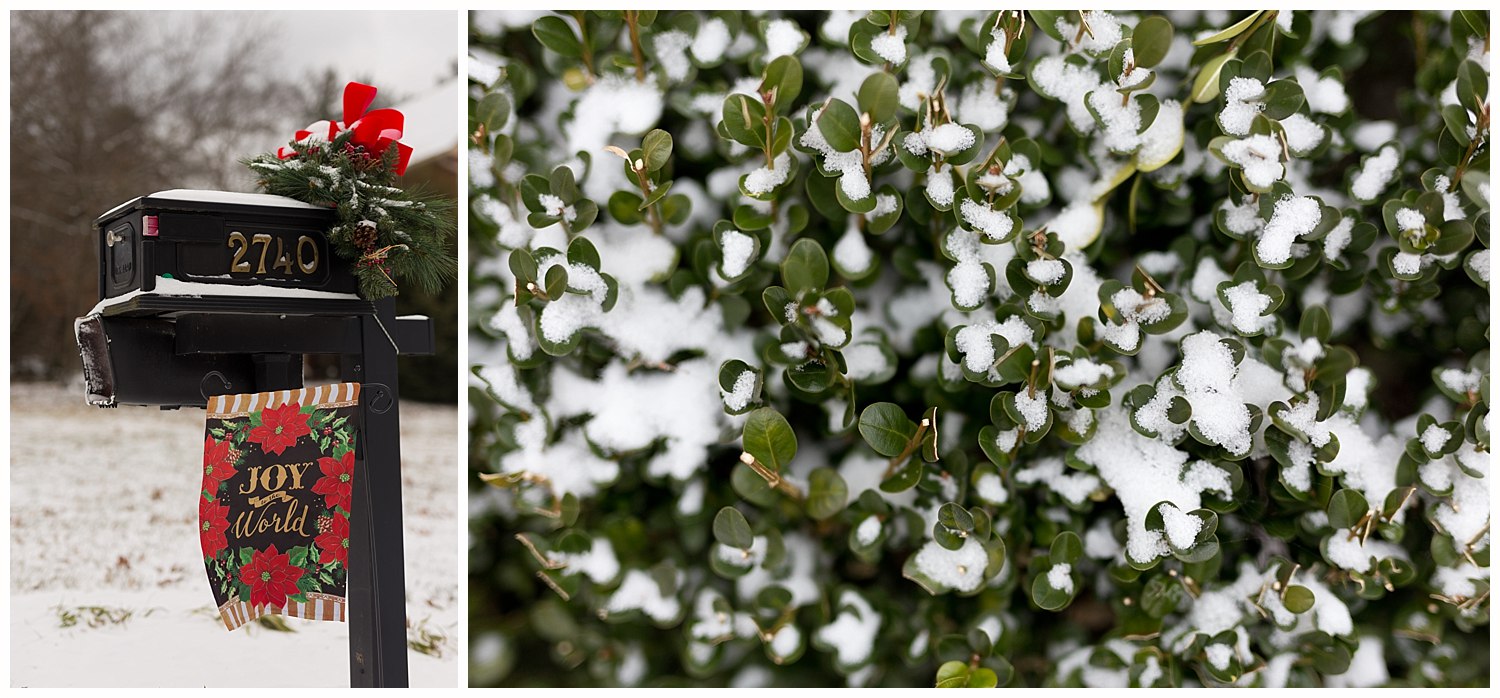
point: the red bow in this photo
(375, 131)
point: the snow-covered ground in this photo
(103, 516)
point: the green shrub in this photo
(974, 349)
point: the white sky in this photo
(402, 51)
(406, 54)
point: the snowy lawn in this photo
(107, 583)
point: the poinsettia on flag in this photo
(278, 490)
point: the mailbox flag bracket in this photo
(214, 383)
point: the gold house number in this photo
(306, 254)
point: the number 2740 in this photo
(306, 254)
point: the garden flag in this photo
(273, 514)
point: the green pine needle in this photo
(413, 228)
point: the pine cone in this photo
(364, 235)
(325, 524)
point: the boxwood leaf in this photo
(784, 75)
(731, 529)
(1206, 85)
(805, 267)
(954, 674)
(1229, 32)
(493, 111)
(656, 149)
(886, 428)
(554, 33)
(770, 438)
(1346, 508)
(1298, 599)
(557, 281)
(839, 124)
(1151, 41)
(827, 494)
(878, 97)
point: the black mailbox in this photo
(205, 292)
(212, 237)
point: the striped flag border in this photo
(242, 404)
(319, 606)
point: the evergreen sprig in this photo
(412, 228)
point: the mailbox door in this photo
(121, 255)
(132, 361)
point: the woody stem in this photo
(635, 45)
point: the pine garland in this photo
(411, 228)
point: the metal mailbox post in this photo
(191, 308)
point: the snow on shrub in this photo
(1005, 348)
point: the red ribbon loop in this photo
(374, 131)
